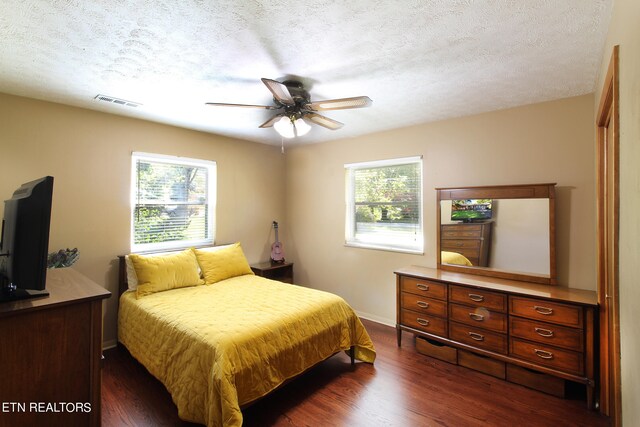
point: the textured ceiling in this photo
(419, 61)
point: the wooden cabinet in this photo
(275, 271)
(547, 329)
(50, 354)
(472, 240)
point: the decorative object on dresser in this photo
(282, 271)
(63, 258)
(51, 353)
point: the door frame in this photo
(608, 211)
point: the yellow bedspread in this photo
(218, 347)
(454, 258)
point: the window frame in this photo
(350, 204)
(211, 165)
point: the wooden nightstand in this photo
(282, 272)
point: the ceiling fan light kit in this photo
(290, 127)
(291, 97)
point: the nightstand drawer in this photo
(563, 360)
(478, 298)
(561, 314)
(546, 333)
(424, 287)
(421, 304)
(478, 317)
(479, 338)
(425, 323)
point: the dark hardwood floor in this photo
(402, 388)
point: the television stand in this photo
(8, 294)
(50, 353)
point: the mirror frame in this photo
(527, 191)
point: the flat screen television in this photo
(24, 242)
(469, 210)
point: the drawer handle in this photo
(543, 354)
(544, 332)
(423, 322)
(476, 297)
(422, 286)
(543, 310)
(476, 316)
(475, 336)
(423, 304)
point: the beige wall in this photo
(548, 142)
(89, 155)
(625, 31)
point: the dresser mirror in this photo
(499, 231)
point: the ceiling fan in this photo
(294, 103)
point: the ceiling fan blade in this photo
(221, 104)
(323, 121)
(269, 123)
(279, 91)
(340, 104)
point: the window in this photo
(173, 200)
(384, 205)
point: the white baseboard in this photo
(106, 345)
(376, 319)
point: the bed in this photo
(220, 346)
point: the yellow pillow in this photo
(157, 273)
(223, 264)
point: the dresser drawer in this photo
(478, 298)
(424, 287)
(449, 231)
(546, 333)
(425, 323)
(478, 317)
(456, 244)
(467, 252)
(480, 338)
(561, 314)
(420, 304)
(564, 360)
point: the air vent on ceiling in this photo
(118, 101)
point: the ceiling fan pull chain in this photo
(282, 144)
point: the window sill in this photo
(384, 248)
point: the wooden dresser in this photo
(50, 353)
(473, 240)
(515, 325)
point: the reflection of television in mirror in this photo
(470, 210)
(24, 241)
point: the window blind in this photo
(173, 202)
(384, 205)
